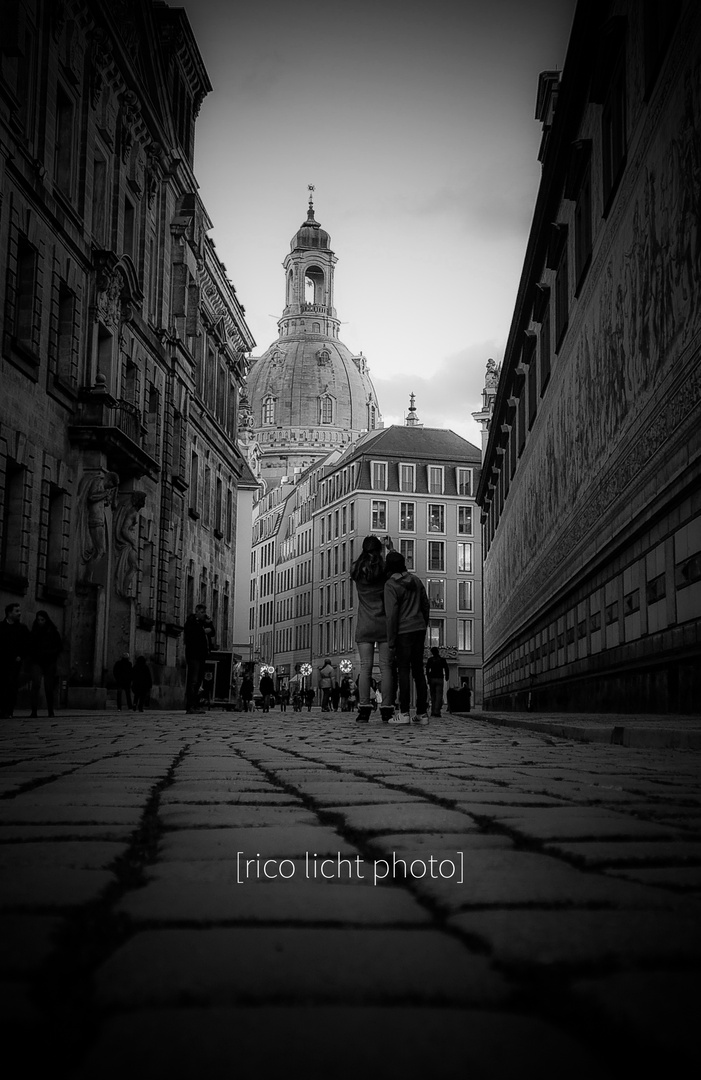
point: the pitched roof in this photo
(399, 441)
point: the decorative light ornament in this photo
(305, 669)
(346, 667)
(267, 669)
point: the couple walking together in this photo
(393, 611)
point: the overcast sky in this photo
(415, 122)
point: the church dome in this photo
(308, 393)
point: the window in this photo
(656, 589)
(25, 294)
(379, 475)
(406, 548)
(218, 508)
(99, 202)
(269, 410)
(207, 493)
(465, 635)
(436, 518)
(194, 487)
(465, 599)
(128, 245)
(378, 514)
(613, 132)
(435, 587)
(436, 633)
(66, 353)
(56, 539)
(582, 226)
(465, 520)
(436, 555)
(464, 557)
(464, 482)
(544, 344)
(561, 297)
(229, 515)
(326, 410)
(13, 528)
(407, 477)
(63, 146)
(435, 479)
(407, 517)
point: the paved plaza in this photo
(230, 895)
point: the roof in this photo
(399, 441)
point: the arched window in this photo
(269, 410)
(326, 409)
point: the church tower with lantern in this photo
(307, 394)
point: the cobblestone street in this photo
(230, 894)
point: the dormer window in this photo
(269, 409)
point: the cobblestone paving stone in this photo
(225, 895)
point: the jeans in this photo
(47, 672)
(436, 686)
(195, 675)
(123, 690)
(410, 663)
(367, 655)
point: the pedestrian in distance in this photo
(284, 698)
(196, 652)
(335, 696)
(267, 689)
(407, 608)
(43, 651)
(14, 646)
(122, 671)
(437, 673)
(327, 679)
(369, 575)
(309, 696)
(344, 692)
(246, 693)
(141, 683)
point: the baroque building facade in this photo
(590, 493)
(123, 342)
(307, 394)
(415, 484)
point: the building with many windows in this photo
(123, 342)
(590, 493)
(414, 484)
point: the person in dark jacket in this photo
(267, 689)
(196, 653)
(43, 650)
(141, 683)
(122, 671)
(437, 672)
(368, 575)
(407, 610)
(14, 643)
(246, 692)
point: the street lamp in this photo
(305, 671)
(346, 667)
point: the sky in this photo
(415, 122)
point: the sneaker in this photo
(421, 718)
(400, 718)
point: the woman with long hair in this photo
(368, 575)
(44, 647)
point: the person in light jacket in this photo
(407, 610)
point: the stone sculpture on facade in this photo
(98, 490)
(126, 541)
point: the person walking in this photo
(267, 689)
(196, 653)
(344, 693)
(43, 650)
(309, 696)
(368, 575)
(437, 673)
(284, 696)
(246, 693)
(14, 645)
(407, 608)
(141, 683)
(327, 678)
(122, 672)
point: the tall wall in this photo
(591, 496)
